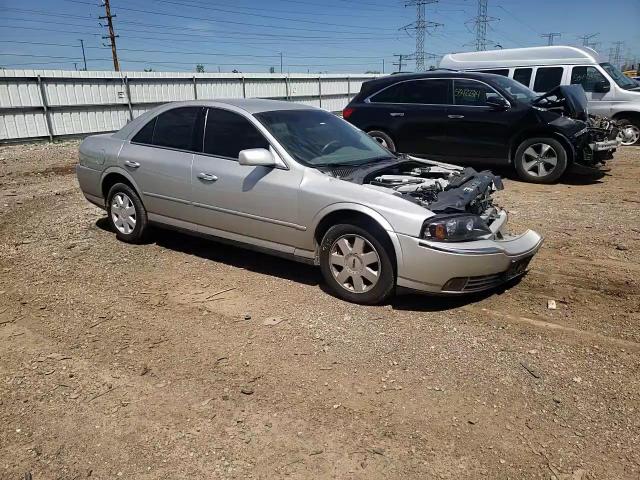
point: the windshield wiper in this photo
(355, 165)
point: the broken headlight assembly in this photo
(454, 228)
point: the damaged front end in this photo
(594, 139)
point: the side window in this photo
(547, 78)
(472, 93)
(504, 72)
(175, 128)
(227, 133)
(430, 92)
(588, 77)
(523, 75)
(145, 134)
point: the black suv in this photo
(483, 118)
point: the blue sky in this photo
(328, 36)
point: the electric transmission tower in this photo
(551, 36)
(585, 40)
(420, 26)
(615, 54)
(480, 23)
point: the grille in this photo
(483, 282)
(343, 171)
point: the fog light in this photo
(455, 284)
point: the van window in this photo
(428, 92)
(472, 93)
(547, 78)
(523, 75)
(588, 77)
(503, 72)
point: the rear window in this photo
(429, 92)
(523, 75)
(547, 78)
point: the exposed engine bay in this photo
(441, 188)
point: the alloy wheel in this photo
(629, 134)
(381, 141)
(123, 213)
(355, 263)
(540, 159)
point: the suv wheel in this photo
(383, 139)
(629, 131)
(540, 160)
(127, 215)
(355, 265)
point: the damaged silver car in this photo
(299, 182)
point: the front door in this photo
(590, 77)
(256, 202)
(476, 130)
(159, 157)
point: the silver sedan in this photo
(299, 182)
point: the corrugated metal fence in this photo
(55, 103)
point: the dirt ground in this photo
(184, 358)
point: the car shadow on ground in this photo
(229, 254)
(576, 176)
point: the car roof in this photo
(517, 57)
(250, 105)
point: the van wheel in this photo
(629, 131)
(540, 160)
(383, 139)
(355, 265)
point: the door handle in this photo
(131, 164)
(207, 177)
(397, 114)
(455, 116)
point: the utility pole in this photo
(280, 62)
(112, 36)
(383, 65)
(550, 36)
(399, 62)
(84, 58)
(420, 26)
(480, 23)
(585, 40)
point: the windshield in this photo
(317, 138)
(515, 89)
(620, 78)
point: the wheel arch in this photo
(360, 215)
(111, 176)
(628, 115)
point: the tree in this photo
(372, 71)
(272, 69)
(200, 68)
(148, 70)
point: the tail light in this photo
(346, 113)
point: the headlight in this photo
(454, 228)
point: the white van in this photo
(610, 93)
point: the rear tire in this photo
(356, 266)
(634, 125)
(127, 215)
(540, 160)
(383, 139)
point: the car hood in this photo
(570, 98)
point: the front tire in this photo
(383, 139)
(633, 136)
(127, 215)
(356, 266)
(540, 160)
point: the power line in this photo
(112, 36)
(550, 36)
(420, 26)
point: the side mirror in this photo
(601, 87)
(497, 103)
(256, 157)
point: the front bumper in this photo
(464, 267)
(605, 145)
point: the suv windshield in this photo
(317, 138)
(620, 78)
(514, 88)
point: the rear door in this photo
(416, 112)
(159, 157)
(476, 130)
